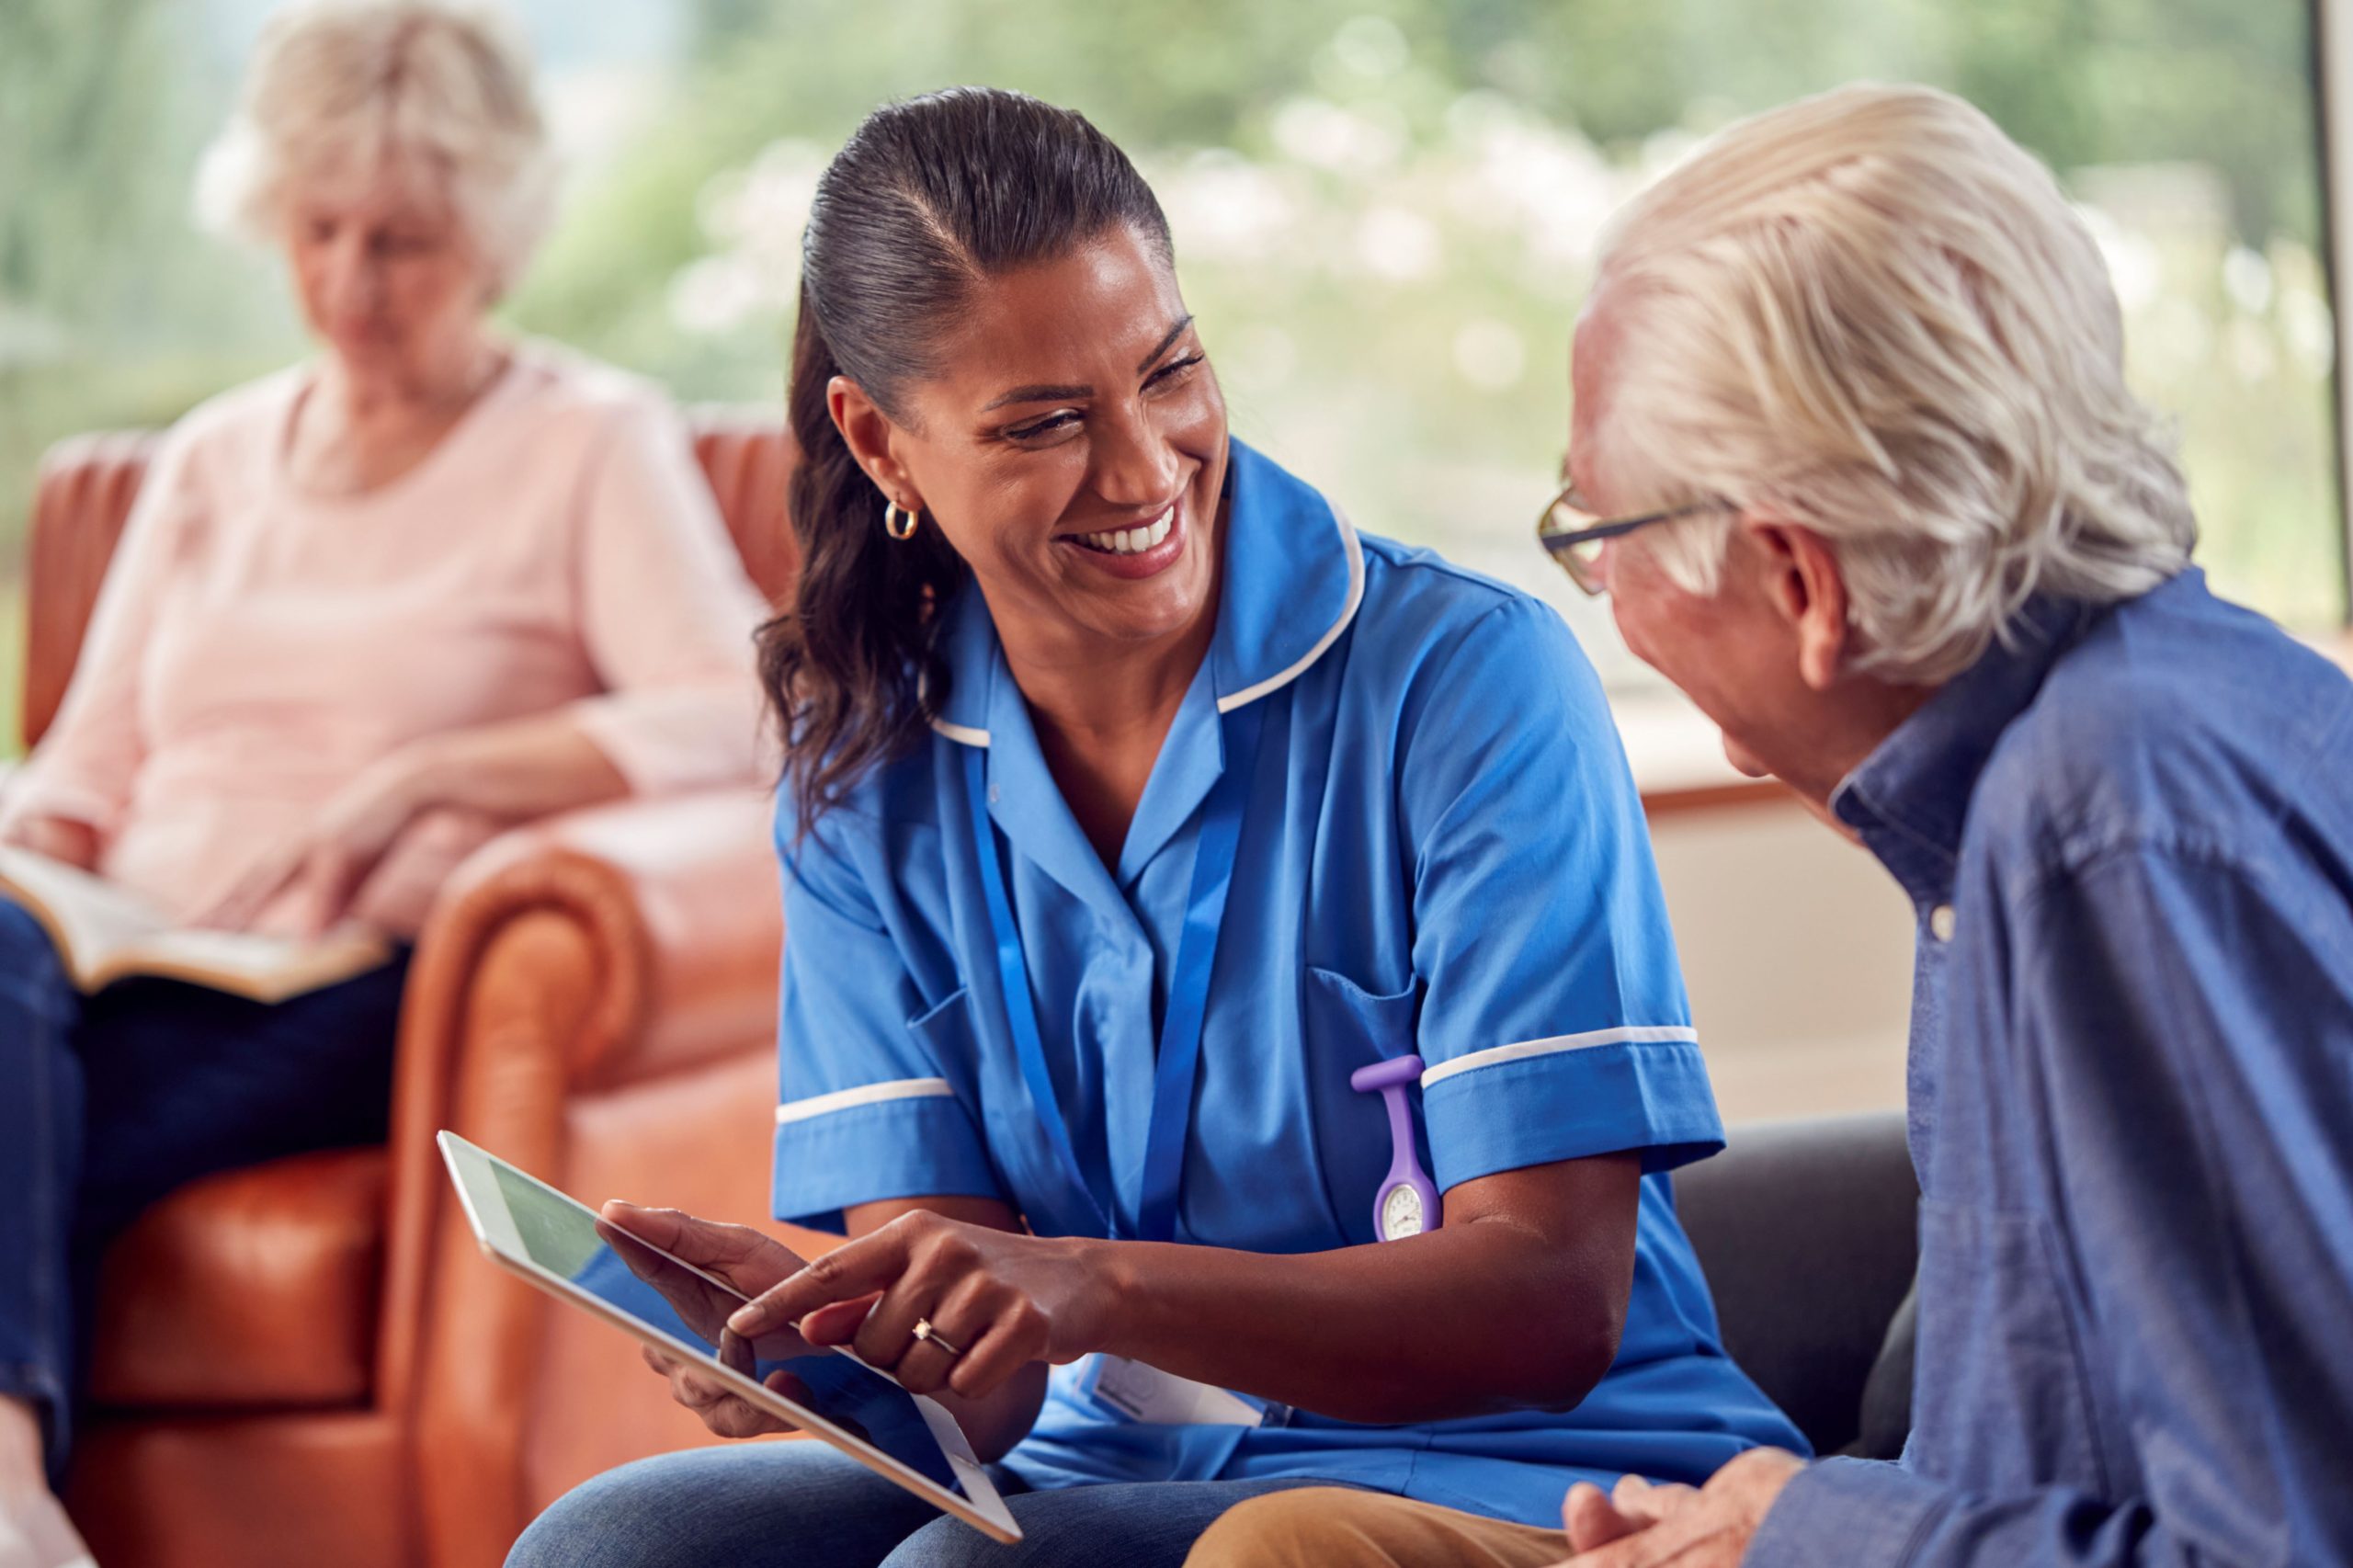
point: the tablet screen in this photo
(633, 1279)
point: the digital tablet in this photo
(530, 1229)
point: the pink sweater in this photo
(255, 647)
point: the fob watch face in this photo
(1400, 1212)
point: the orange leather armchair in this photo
(306, 1362)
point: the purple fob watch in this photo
(1407, 1202)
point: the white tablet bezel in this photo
(493, 1228)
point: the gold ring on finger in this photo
(930, 1336)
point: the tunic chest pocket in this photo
(946, 1042)
(948, 1035)
(1349, 1027)
(1357, 1026)
(2008, 1359)
(947, 1046)
(944, 1032)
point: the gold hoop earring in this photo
(892, 511)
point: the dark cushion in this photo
(1808, 1232)
(1887, 1397)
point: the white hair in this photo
(340, 89)
(1871, 313)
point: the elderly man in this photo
(1855, 462)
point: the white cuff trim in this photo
(869, 1093)
(1624, 1034)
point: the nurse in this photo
(1135, 804)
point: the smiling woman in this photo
(977, 432)
(1087, 511)
(1137, 805)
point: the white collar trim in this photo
(1349, 607)
(964, 734)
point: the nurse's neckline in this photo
(1100, 732)
(1290, 563)
(1100, 695)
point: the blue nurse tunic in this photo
(1442, 852)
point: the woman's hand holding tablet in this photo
(748, 1263)
(671, 1280)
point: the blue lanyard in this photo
(1178, 1063)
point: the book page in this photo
(266, 969)
(105, 934)
(88, 918)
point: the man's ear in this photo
(869, 434)
(1805, 584)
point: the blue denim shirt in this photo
(2129, 835)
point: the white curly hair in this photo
(338, 88)
(1871, 313)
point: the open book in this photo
(105, 935)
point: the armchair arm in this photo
(676, 900)
(617, 962)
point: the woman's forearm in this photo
(517, 771)
(1515, 1302)
(1467, 1319)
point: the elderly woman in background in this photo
(367, 612)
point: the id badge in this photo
(1156, 1398)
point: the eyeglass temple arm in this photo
(1575, 537)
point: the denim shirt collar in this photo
(1909, 799)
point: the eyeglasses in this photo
(1575, 534)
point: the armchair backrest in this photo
(80, 502)
(87, 483)
(748, 456)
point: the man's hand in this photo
(1639, 1525)
(1592, 1519)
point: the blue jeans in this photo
(801, 1504)
(108, 1102)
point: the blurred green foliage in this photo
(1396, 321)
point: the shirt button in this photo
(1940, 923)
(994, 795)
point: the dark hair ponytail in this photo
(927, 197)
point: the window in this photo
(1384, 212)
